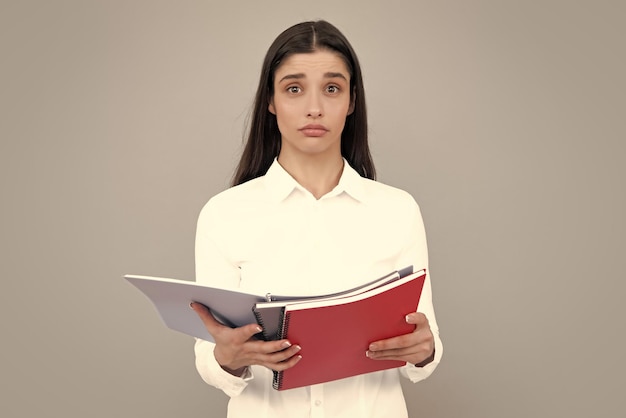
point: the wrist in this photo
(427, 360)
(229, 368)
(235, 372)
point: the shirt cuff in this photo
(213, 374)
(416, 374)
(230, 384)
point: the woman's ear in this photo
(271, 107)
(352, 103)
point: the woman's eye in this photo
(293, 89)
(332, 89)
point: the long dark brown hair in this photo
(264, 139)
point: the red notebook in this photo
(335, 334)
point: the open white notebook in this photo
(171, 298)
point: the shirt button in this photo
(318, 402)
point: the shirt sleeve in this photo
(212, 373)
(214, 264)
(415, 252)
(215, 268)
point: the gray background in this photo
(505, 120)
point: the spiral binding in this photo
(277, 383)
(259, 320)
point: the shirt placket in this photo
(317, 401)
(316, 225)
(315, 238)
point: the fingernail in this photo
(407, 318)
(372, 347)
(367, 353)
(259, 329)
(191, 305)
(286, 344)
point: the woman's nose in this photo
(314, 106)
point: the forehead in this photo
(313, 63)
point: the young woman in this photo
(305, 217)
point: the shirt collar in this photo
(280, 184)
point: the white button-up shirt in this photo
(270, 235)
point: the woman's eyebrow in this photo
(299, 76)
(292, 77)
(335, 75)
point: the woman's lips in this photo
(313, 130)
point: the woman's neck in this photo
(319, 175)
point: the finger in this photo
(269, 347)
(284, 365)
(417, 318)
(263, 353)
(393, 354)
(246, 332)
(281, 356)
(414, 355)
(412, 348)
(215, 327)
(209, 321)
(419, 336)
(421, 332)
(393, 343)
(284, 360)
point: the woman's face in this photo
(311, 102)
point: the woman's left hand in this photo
(416, 348)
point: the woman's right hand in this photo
(236, 349)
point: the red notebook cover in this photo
(334, 338)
